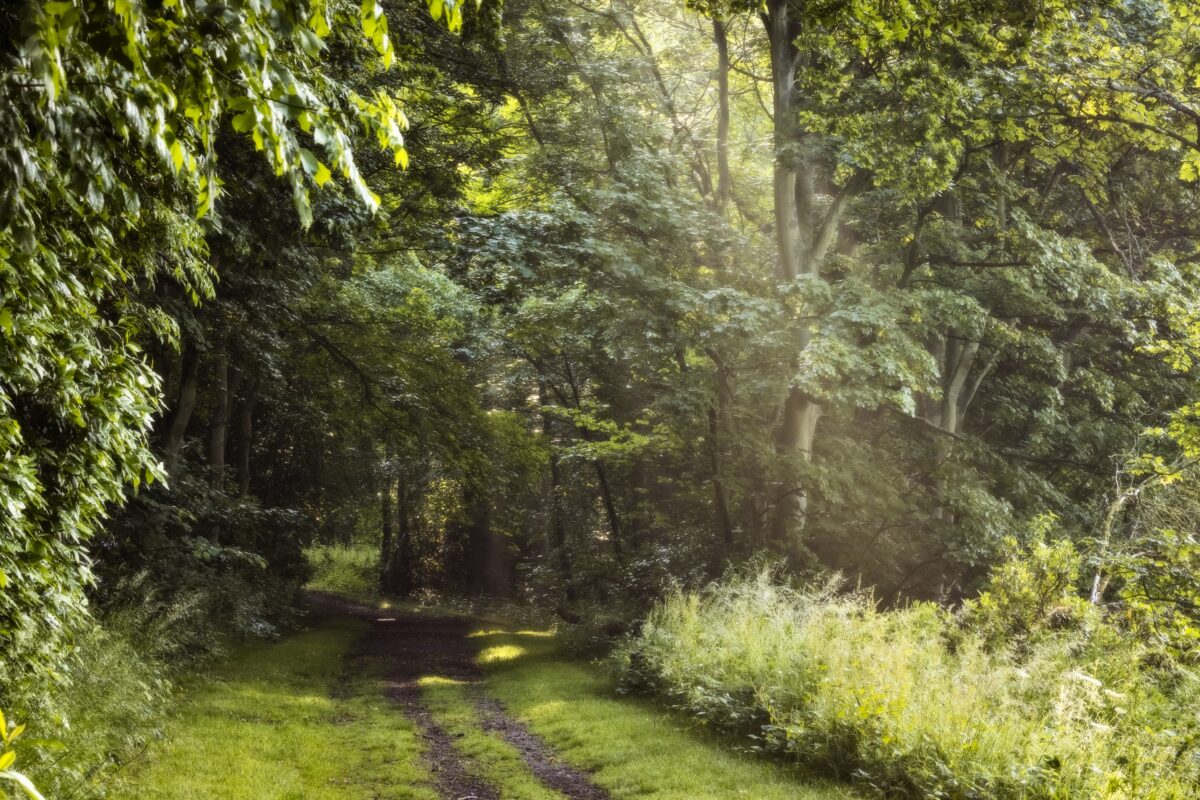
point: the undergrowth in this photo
(351, 569)
(1024, 696)
(107, 702)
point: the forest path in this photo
(372, 703)
(423, 656)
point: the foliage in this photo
(8, 757)
(574, 323)
(109, 168)
(1030, 592)
(916, 702)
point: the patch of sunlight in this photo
(549, 707)
(438, 680)
(483, 634)
(503, 652)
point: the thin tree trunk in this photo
(226, 387)
(385, 544)
(558, 529)
(793, 235)
(188, 383)
(246, 442)
(720, 494)
(724, 178)
(610, 511)
(400, 571)
(783, 74)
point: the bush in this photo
(921, 701)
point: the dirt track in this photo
(414, 646)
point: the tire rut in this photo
(541, 759)
(415, 646)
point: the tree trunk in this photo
(485, 557)
(724, 178)
(783, 76)
(558, 529)
(717, 414)
(219, 427)
(246, 442)
(188, 383)
(385, 543)
(793, 196)
(720, 494)
(400, 569)
(610, 511)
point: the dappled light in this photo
(599, 399)
(504, 652)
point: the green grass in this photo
(634, 749)
(269, 728)
(485, 755)
(345, 569)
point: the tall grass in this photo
(346, 569)
(918, 703)
(110, 695)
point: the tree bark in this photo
(188, 383)
(610, 511)
(780, 33)
(385, 516)
(717, 413)
(793, 197)
(226, 388)
(724, 178)
(558, 529)
(246, 441)
(400, 570)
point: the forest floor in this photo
(378, 703)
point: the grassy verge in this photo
(484, 754)
(269, 728)
(632, 748)
(1028, 693)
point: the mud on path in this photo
(414, 646)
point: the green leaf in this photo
(322, 175)
(25, 784)
(244, 122)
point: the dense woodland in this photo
(587, 303)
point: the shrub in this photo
(921, 701)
